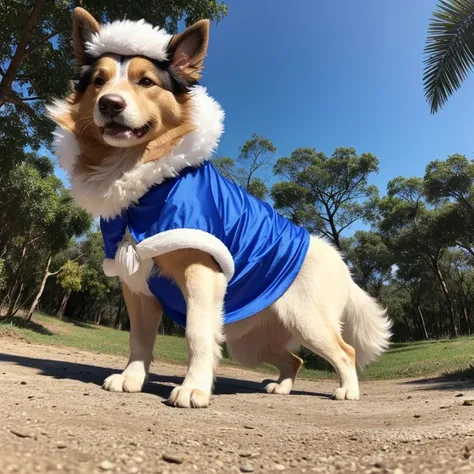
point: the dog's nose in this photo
(111, 104)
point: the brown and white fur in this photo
(115, 163)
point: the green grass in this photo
(416, 359)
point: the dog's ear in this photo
(188, 49)
(84, 26)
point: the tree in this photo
(36, 56)
(255, 158)
(40, 220)
(415, 231)
(449, 50)
(370, 259)
(452, 181)
(325, 194)
(70, 279)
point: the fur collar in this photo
(112, 187)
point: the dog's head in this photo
(136, 115)
(131, 84)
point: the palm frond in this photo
(449, 50)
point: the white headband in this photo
(129, 38)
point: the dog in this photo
(135, 136)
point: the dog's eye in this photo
(146, 82)
(99, 82)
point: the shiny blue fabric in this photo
(268, 250)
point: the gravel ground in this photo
(54, 417)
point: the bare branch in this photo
(33, 48)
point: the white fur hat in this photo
(129, 38)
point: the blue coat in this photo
(259, 251)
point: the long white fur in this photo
(119, 182)
(322, 300)
(129, 38)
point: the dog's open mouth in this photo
(117, 130)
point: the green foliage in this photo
(254, 164)
(70, 276)
(325, 194)
(449, 50)
(371, 260)
(3, 275)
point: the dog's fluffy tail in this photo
(366, 326)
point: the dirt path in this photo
(54, 417)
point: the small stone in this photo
(106, 465)
(279, 467)
(81, 457)
(468, 403)
(416, 416)
(171, 458)
(61, 445)
(409, 396)
(379, 465)
(466, 454)
(21, 433)
(22, 382)
(460, 395)
(245, 454)
(249, 427)
(246, 468)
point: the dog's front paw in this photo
(186, 397)
(344, 393)
(124, 382)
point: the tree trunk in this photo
(117, 317)
(465, 313)
(33, 306)
(64, 301)
(422, 319)
(447, 296)
(13, 286)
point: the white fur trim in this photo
(177, 239)
(120, 181)
(129, 38)
(109, 267)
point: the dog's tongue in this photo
(118, 131)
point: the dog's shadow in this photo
(160, 385)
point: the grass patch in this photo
(453, 357)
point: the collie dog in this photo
(135, 136)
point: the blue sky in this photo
(310, 73)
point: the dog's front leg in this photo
(203, 286)
(145, 314)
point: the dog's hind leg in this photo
(145, 314)
(262, 339)
(312, 309)
(289, 365)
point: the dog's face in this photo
(128, 101)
